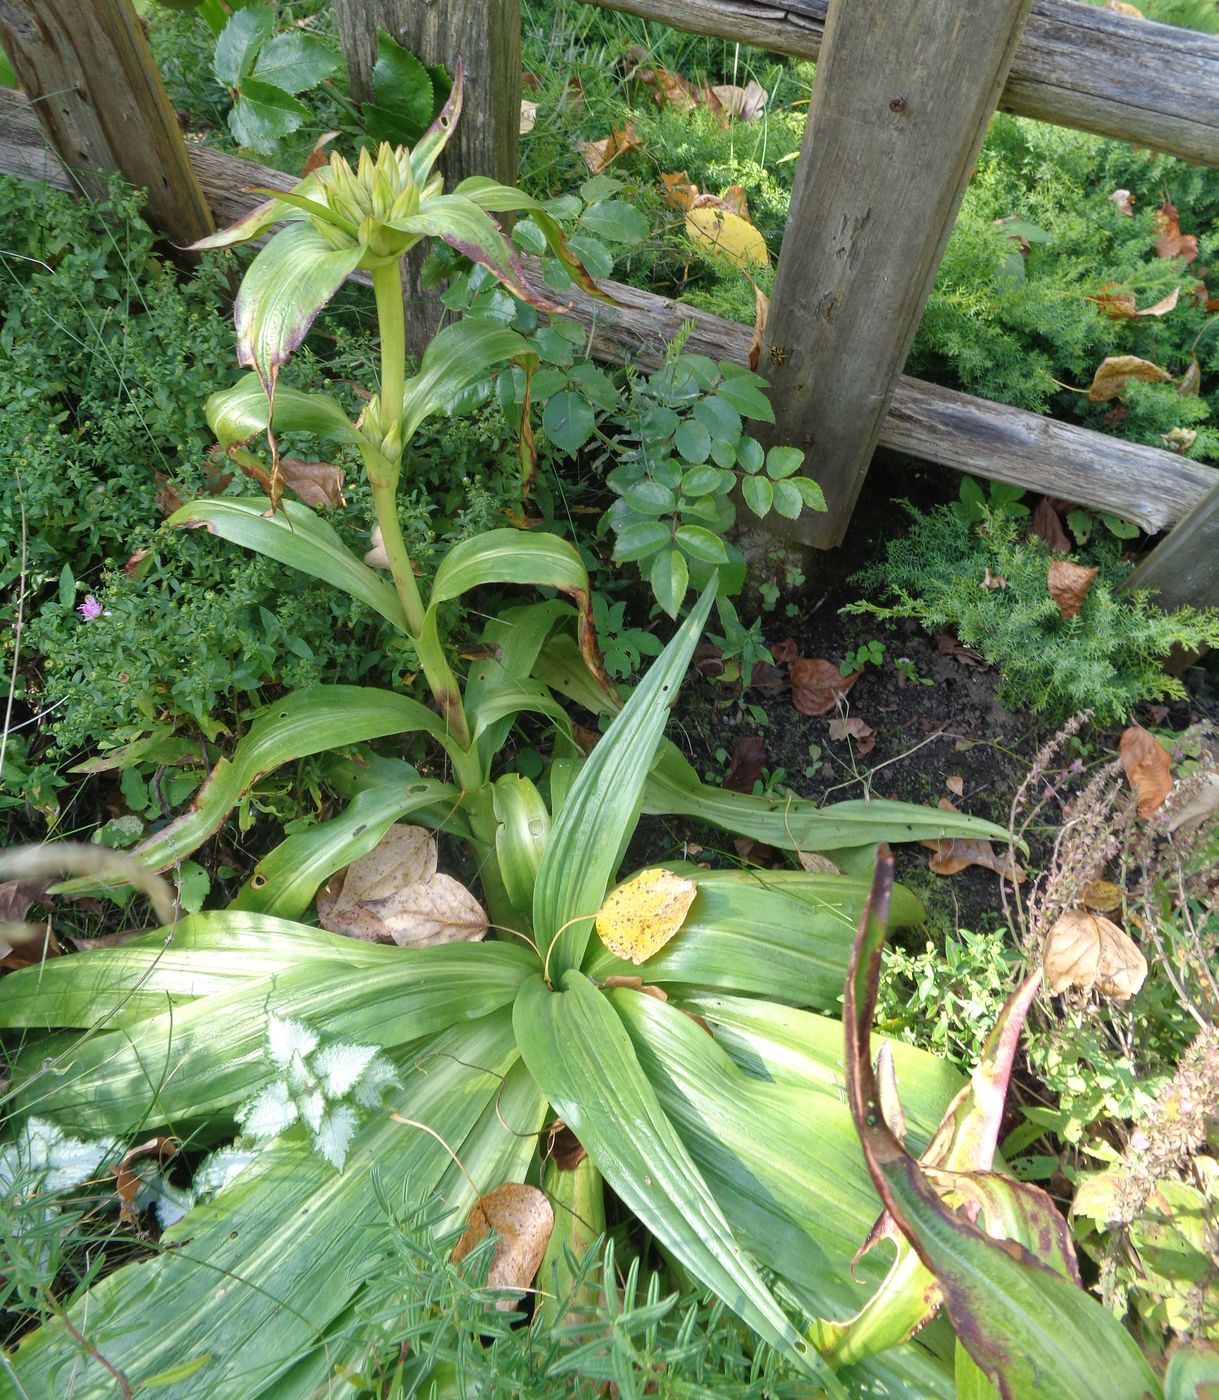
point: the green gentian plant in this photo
(258, 1291)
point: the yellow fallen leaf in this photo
(720, 231)
(640, 917)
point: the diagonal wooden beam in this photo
(1116, 75)
(1155, 489)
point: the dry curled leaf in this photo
(642, 915)
(1179, 440)
(670, 88)
(816, 864)
(948, 645)
(954, 854)
(1115, 372)
(679, 192)
(748, 758)
(315, 483)
(317, 157)
(743, 103)
(1190, 383)
(1172, 243)
(1102, 896)
(854, 728)
(598, 154)
(1084, 951)
(1200, 800)
(395, 895)
(818, 684)
(1123, 202)
(563, 1147)
(523, 1220)
(1069, 585)
(761, 310)
(990, 580)
(1046, 524)
(1147, 768)
(529, 116)
(1121, 305)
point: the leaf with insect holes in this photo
(641, 916)
(1084, 950)
(522, 1219)
(1147, 768)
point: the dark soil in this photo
(927, 736)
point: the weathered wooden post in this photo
(902, 98)
(1184, 566)
(90, 78)
(487, 35)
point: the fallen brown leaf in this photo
(679, 192)
(598, 154)
(784, 652)
(669, 87)
(854, 728)
(529, 115)
(127, 1181)
(1121, 305)
(563, 1147)
(1116, 371)
(1046, 524)
(954, 854)
(990, 580)
(818, 684)
(949, 646)
(1123, 202)
(1190, 383)
(1102, 896)
(1147, 768)
(745, 104)
(1084, 950)
(523, 1219)
(1172, 243)
(1179, 440)
(761, 310)
(1121, 8)
(748, 758)
(955, 784)
(1201, 800)
(816, 864)
(315, 483)
(1069, 584)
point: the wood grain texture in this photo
(1184, 566)
(1150, 84)
(902, 100)
(96, 90)
(1155, 489)
(486, 35)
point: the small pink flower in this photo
(91, 609)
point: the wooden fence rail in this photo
(1153, 488)
(1150, 84)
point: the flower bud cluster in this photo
(379, 194)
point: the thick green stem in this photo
(391, 320)
(383, 478)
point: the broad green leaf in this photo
(235, 415)
(748, 400)
(615, 221)
(640, 539)
(1029, 1329)
(746, 934)
(522, 828)
(693, 441)
(305, 722)
(583, 852)
(238, 44)
(463, 225)
(501, 199)
(788, 499)
(456, 357)
(202, 1060)
(792, 824)
(262, 216)
(783, 461)
(285, 881)
(581, 1056)
(256, 1281)
(670, 577)
(427, 150)
(204, 955)
(1193, 1373)
(404, 100)
(295, 61)
(562, 666)
(568, 420)
(758, 494)
(510, 556)
(286, 286)
(510, 698)
(263, 114)
(701, 544)
(297, 536)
